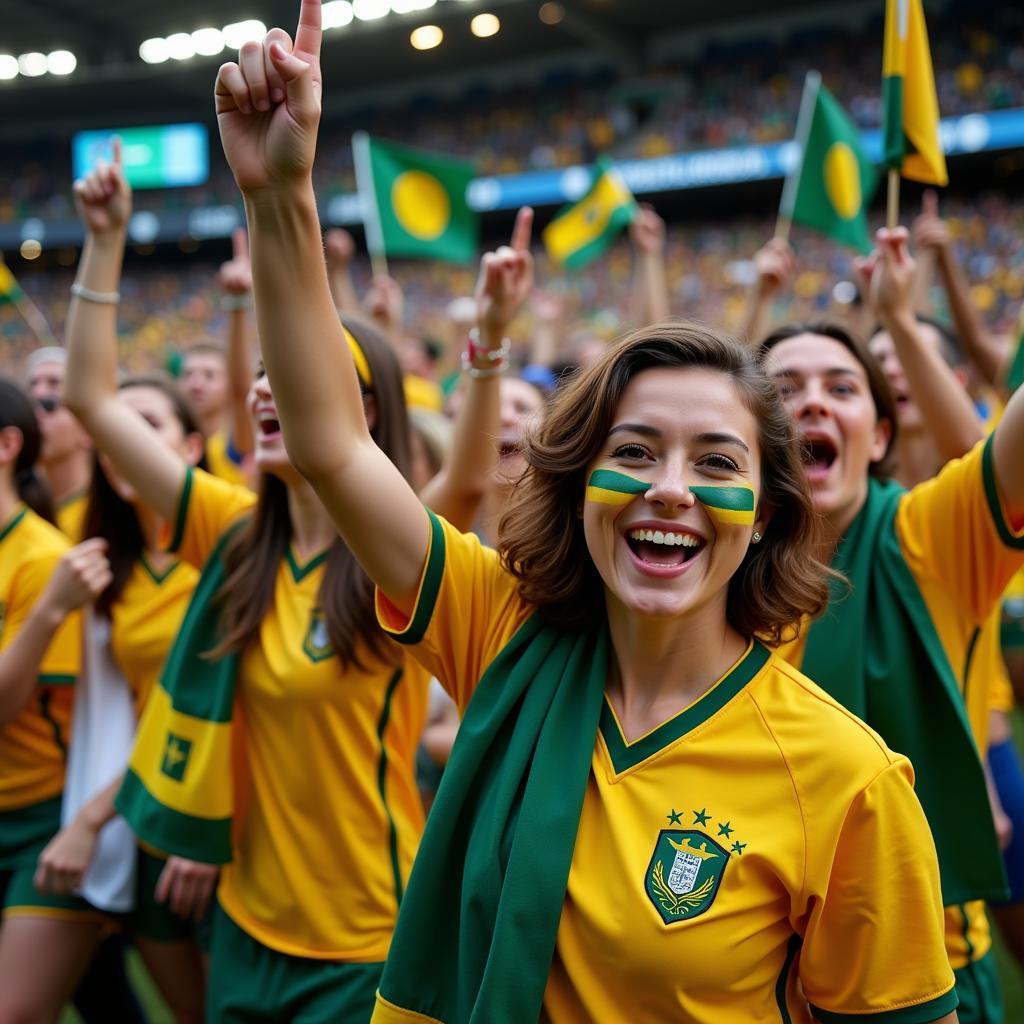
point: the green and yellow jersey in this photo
(33, 744)
(71, 515)
(954, 536)
(224, 461)
(331, 816)
(757, 852)
(145, 621)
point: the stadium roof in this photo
(110, 77)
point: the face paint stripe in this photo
(729, 504)
(621, 483)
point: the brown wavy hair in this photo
(541, 535)
(254, 554)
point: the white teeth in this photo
(670, 539)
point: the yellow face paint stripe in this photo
(732, 504)
(608, 487)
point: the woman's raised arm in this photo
(104, 203)
(268, 110)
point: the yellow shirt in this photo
(332, 815)
(224, 462)
(71, 516)
(145, 621)
(962, 552)
(33, 744)
(761, 844)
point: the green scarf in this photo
(1015, 374)
(477, 927)
(178, 791)
(876, 650)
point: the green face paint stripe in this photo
(736, 499)
(610, 480)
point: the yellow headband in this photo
(363, 370)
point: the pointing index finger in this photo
(309, 32)
(523, 228)
(118, 150)
(239, 244)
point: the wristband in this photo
(497, 367)
(234, 303)
(104, 298)
(481, 356)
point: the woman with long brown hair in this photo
(281, 738)
(647, 815)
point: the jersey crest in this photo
(175, 759)
(317, 644)
(685, 873)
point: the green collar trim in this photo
(182, 517)
(995, 506)
(627, 755)
(154, 575)
(12, 523)
(72, 498)
(300, 572)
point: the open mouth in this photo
(508, 447)
(664, 548)
(818, 455)
(268, 426)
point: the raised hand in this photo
(103, 197)
(775, 263)
(235, 276)
(892, 283)
(268, 105)
(341, 248)
(647, 230)
(929, 230)
(505, 281)
(385, 303)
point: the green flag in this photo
(10, 290)
(829, 190)
(414, 203)
(584, 230)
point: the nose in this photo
(261, 387)
(812, 402)
(670, 491)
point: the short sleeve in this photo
(467, 609)
(61, 663)
(953, 530)
(206, 508)
(873, 949)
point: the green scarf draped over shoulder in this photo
(477, 927)
(876, 650)
(178, 791)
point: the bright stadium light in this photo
(8, 67)
(61, 62)
(239, 32)
(180, 46)
(426, 37)
(32, 65)
(370, 10)
(154, 51)
(484, 25)
(410, 6)
(208, 42)
(336, 14)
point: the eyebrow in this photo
(832, 371)
(708, 437)
(643, 429)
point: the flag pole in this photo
(803, 128)
(368, 200)
(34, 319)
(892, 207)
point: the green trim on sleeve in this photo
(430, 587)
(782, 983)
(995, 506)
(919, 1013)
(56, 679)
(382, 776)
(179, 521)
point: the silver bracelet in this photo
(235, 303)
(104, 298)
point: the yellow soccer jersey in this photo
(146, 619)
(224, 461)
(71, 516)
(332, 814)
(33, 744)
(761, 850)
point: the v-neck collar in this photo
(300, 572)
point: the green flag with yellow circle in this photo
(414, 202)
(832, 184)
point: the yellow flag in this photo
(910, 126)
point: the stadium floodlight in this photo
(336, 14)
(426, 37)
(484, 25)
(33, 64)
(154, 51)
(208, 42)
(61, 62)
(8, 67)
(410, 6)
(239, 32)
(370, 10)
(180, 46)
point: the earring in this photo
(755, 538)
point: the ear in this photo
(764, 517)
(11, 442)
(880, 444)
(194, 447)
